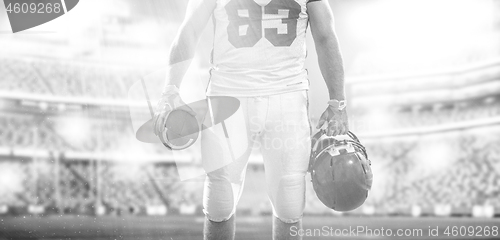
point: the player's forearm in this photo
(184, 45)
(331, 66)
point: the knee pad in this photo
(289, 200)
(219, 199)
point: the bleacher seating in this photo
(401, 180)
(55, 78)
(401, 176)
(468, 178)
(411, 119)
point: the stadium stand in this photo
(466, 179)
(383, 120)
(404, 176)
(467, 182)
(48, 77)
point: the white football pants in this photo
(279, 126)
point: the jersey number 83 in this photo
(247, 19)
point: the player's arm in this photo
(330, 63)
(181, 54)
(183, 48)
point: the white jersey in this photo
(259, 47)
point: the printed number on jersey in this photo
(247, 19)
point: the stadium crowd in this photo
(457, 171)
(48, 77)
(404, 177)
(403, 174)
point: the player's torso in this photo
(259, 47)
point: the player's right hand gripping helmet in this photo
(340, 171)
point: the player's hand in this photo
(169, 101)
(336, 120)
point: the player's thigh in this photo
(228, 143)
(286, 149)
(286, 142)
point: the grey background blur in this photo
(423, 85)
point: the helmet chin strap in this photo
(334, 149)
(335, 143)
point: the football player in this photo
(258, 57)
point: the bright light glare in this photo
(10, 181)
(434, 156)
(146, 32)
(377, 121)
(127, 171)
(75, 130)
(422, 31)
(414, 21)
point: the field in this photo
(248, 228)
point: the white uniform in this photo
(258, 57)
(259, 47)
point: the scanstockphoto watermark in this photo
(256, 124)
(431, 231)
(26, 14)
(356, 231)
(291, 134)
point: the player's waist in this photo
(241, 85)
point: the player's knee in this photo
(219, 214)
(219, 200)
(218, 209)
(290, 200)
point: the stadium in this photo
(424, 98)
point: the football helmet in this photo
(340, 171)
